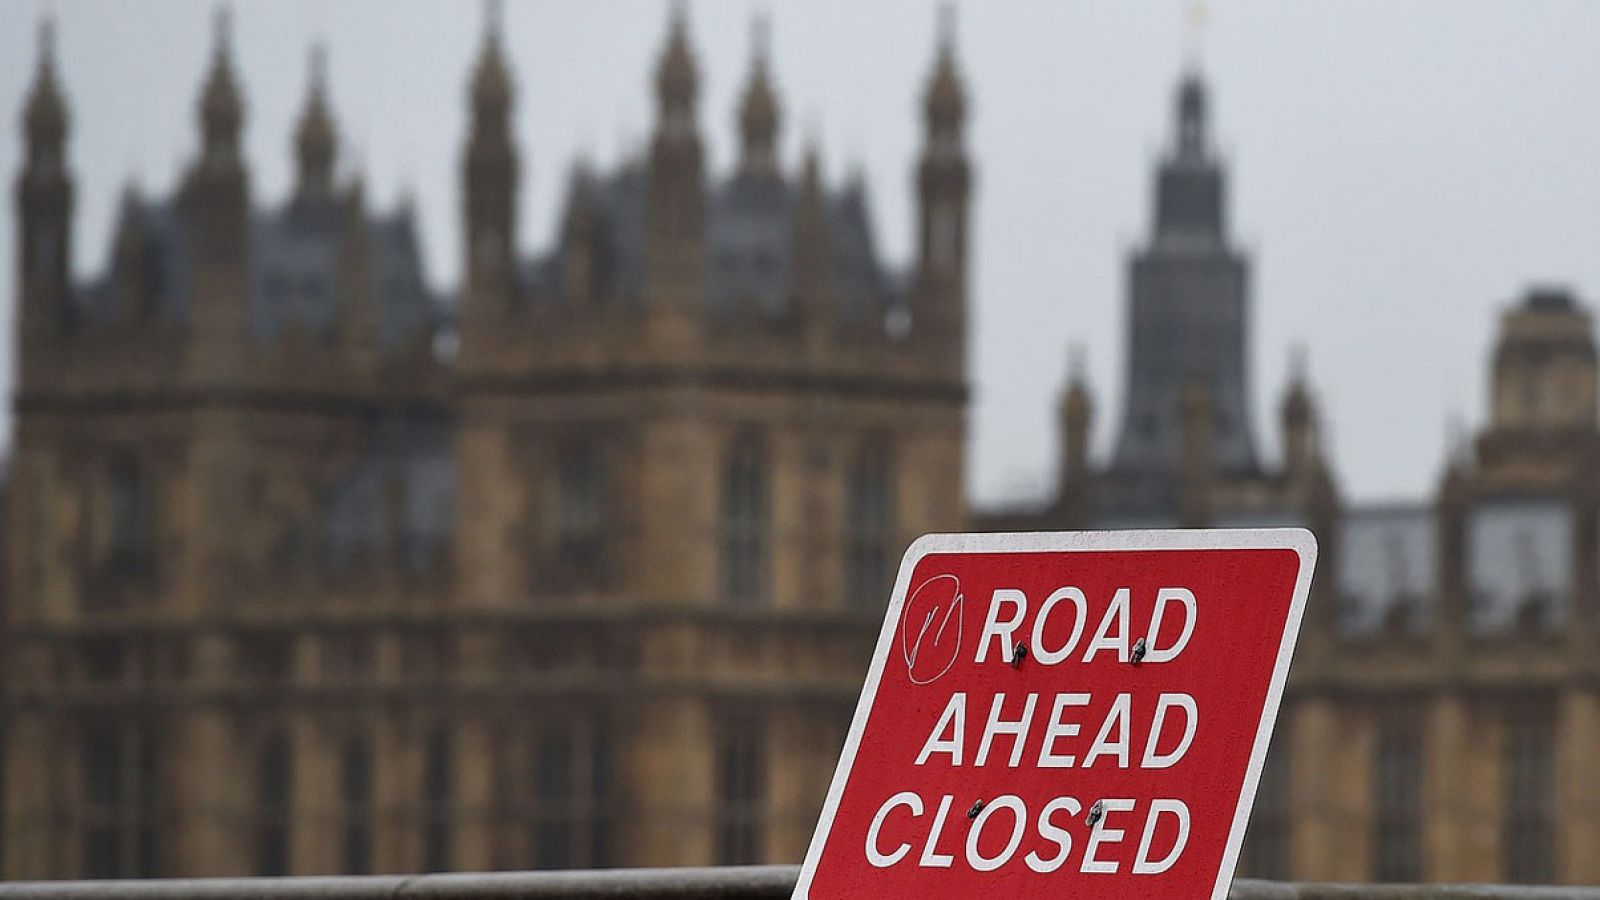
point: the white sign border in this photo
(1300, 540)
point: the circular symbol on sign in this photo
(930, 628)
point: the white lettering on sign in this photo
(1008, 610)
(1080, 608)
(1191, 717)
(1054, 833)
(994, 627)
(1108, 744)
(998, 726)
(877, 857)
(1019, 814)
(1015, 723)
(1142, 865)
(1104, 639)
(954, 719)
(1048, 758)
(1166, 824)
(930, 859)
(1113, 738)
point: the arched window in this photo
(128, 527)
(272, 807)
(438, 797)
(120, 768)
(741, 785)
(745, 508)
(582, 499)
(553, 799)
(1528, 823)
(1397, 800)
(572, 826)
(869, 527)
(355, 764)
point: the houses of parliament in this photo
(312, 569)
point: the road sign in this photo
(1064, 715)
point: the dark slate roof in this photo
(294, 270)
(749, 223)
(406, 476)
(749, 244)
(164, 257)
(409, 306)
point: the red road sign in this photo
(1064, 715)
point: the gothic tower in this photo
(1188, 322)
(217, 204)
(944, 186)
(489, 175)
(675, 220)
(44, 195)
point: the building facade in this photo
(1442, 716)
(316, 571)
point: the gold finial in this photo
(1199, 17)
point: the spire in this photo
(1297, 402)
(943, 186)
(221, 109)
(45, 116)
(128, 249)
(675, 199)
(489, 174)
(130, 218)
(491, 80)
(1298, 416)
(1077, 410)
(677, 77)
(1191, 118)
(217, 210)
(811, 287)
(758, 113)
(316, 141)
(1190, 190)
(945, 102)
(811, 171)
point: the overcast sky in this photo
(1399, 171)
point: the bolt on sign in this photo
(1064, 715)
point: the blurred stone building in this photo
(314, 571)
(1442, 720)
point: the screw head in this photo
(1095, 813)
(1018, 654)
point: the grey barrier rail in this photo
(732, 883)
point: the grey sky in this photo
(1399, 171)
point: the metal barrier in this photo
(737, 883)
